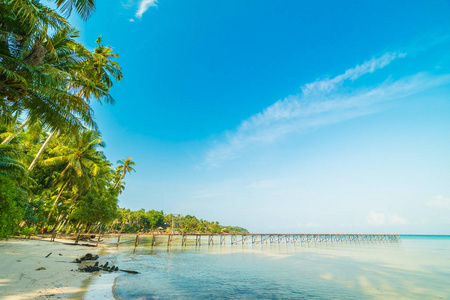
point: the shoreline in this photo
(26, 273)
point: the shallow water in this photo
(416, 268)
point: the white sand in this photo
(19, 278)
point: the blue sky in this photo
(283, 116)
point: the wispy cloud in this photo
(370, 66)
(439, 202)
(380, 219)
(320, 103)
(144, 6)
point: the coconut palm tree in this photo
(125, 166)
(84, 8)
(93, 78)
(81, 158)
(34, 82)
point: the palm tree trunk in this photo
(57, 199)
(117, 183)
(33, 163)
(45, 194)
(16, 131)
(54, 204)
(69, 211)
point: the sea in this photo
(417, 267)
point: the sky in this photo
(282, 116)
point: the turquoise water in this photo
(416, 268)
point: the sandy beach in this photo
(26, 273)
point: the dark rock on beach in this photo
(88, 256)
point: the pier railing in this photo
(223, 239)
(255, 239)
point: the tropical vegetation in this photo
(152, 221)
(54, 176)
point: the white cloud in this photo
(144, 6)
(131, 20)
(380, 219)
(376, 218)
(396, 220)
(440, 202)
(327, 85)
(317, 107)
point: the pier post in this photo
(118, 239)
(78, 237)
(136, 243)
(210, 240)
(99, 235)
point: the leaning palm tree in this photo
(82, 162)
(35, 68)
(125, 166)
(99, 182)
(92, 78)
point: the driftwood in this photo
(97, 267)
(88, 256)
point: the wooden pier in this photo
(199, 239)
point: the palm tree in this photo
(34, 73)
(9, 164)
(100, 181)
(84, 8)
(93, 77)
(82, 161)
(125, 166)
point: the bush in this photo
(11, 211)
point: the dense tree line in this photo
(156, 221)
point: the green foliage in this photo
(11, 201)
(142, 221)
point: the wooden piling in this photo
(98, 240)
(136, 243)
(118, 239)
